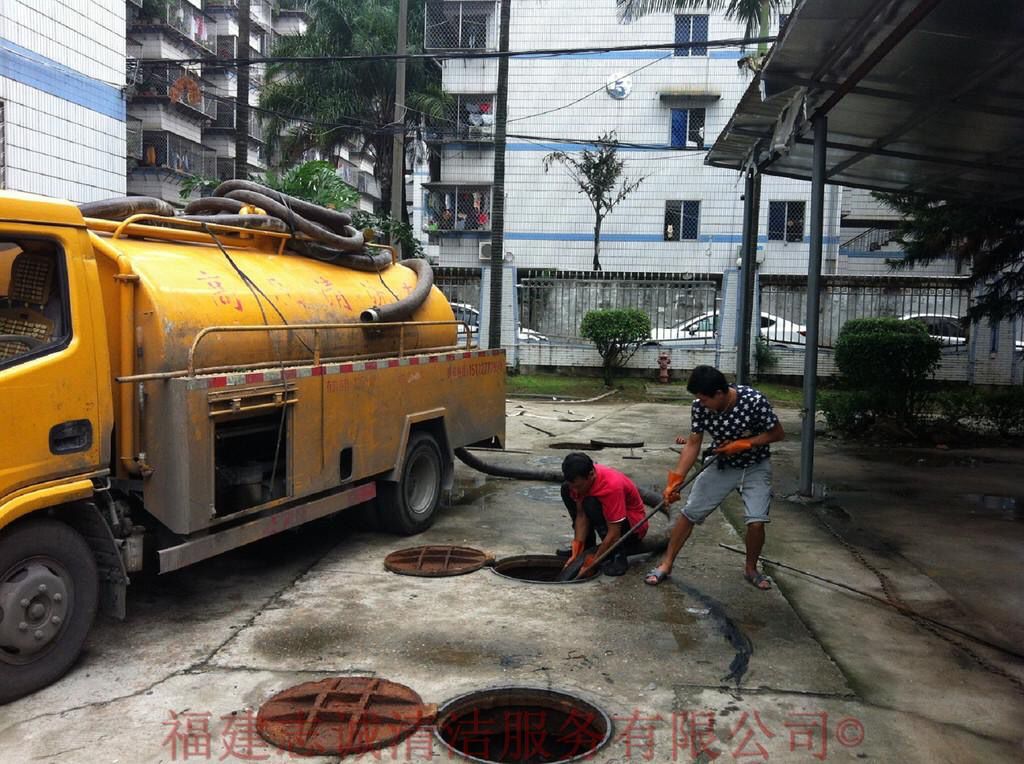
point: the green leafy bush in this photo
(957, 404)
(891, 360)
(1004, 408)
(848, 411)
(390, 230)
(765, 357)
(618, 334)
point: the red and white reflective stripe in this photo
(301, 372)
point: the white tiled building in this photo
(62, 112)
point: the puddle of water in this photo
(469, 492)
(545, 493)
(544, 461)
(1003, 507)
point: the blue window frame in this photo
(682, 220)
(691, 29)
(687, 128)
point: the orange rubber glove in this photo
(586, 564)
(734, 447)
(575, 550)
(671, 492)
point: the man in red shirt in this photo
(602, 500)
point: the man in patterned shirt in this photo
(742, 424)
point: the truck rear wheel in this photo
(49, 589)
(409, 505)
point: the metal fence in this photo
(940, 303)
(555, 304)
(182, 87)
(456, 208)
(226, 113)
(133, 138)
(459, 285)
(172, 152)
(466, 118)
(461, 25)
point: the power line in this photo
(466, 55)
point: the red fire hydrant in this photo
(664, 361)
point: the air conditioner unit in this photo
(485, 250)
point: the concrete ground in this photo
(703, 667)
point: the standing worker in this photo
(742, 424)
(601, 500)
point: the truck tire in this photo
(49, 588)
(409, 505)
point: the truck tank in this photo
(184, 287)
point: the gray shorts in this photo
(709, 490)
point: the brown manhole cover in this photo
(436, 561)
(522, 725)
(537, 569)
(342, 716)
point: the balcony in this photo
(468, 118)
(178, 86)
(454, 208)
(181, 18)
(259, 10)
(461, 25)
(167, 151)
(225, 120)
(133, 139)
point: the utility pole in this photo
(498, 190)
(242, 93)
(398, 148)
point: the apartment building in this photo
(62, 111)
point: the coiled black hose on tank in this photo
(651, 498)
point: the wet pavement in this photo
(704, 662)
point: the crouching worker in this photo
(742, 424)
(601, 501)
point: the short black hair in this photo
(577, 465)
(707, 380)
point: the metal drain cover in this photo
(436, 561)
(342, 716)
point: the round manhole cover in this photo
(342, 716)
(513, 725)
(436, 561)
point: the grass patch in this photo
(629, 389)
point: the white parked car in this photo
(469, 314)
(703, 329)
(946, 328)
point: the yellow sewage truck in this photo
(171, 390)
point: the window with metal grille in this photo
(687, 128)
(786, 221)
(682, 220)
(691, 29)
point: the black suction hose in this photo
(122, 207)
(404, 308)
(651, 498)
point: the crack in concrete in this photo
(196, 667)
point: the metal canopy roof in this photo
(922, 96)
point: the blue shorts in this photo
(753, 483)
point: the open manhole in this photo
(436, 561)
(522, 725)
(342, 716)
(536, 568)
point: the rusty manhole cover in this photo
(436, 561)
(342, 716)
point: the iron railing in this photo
(133, 138)
(940, 303)
(259, 10)
(226, 118)
(466, 118)
(872, 240)
(180, 86)
(460, 285)
(461, 25)
(555, 304)
(184, 18)
(172, 152)
(456, 207)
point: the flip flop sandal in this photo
(756, 581)
(658, 575)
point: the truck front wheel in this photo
(409, 505)
(48, 595)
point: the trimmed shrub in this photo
(890, 359)
(618, 334)
(848, 411)
(1004, 408)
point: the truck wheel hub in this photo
(33, 608)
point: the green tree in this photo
(597, 173)
(617, 334)
(756, 15)
(988, 240)
(315, 181)
(350, 101)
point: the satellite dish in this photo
(619, 86)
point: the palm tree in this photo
(348, 100)
(755, 14)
